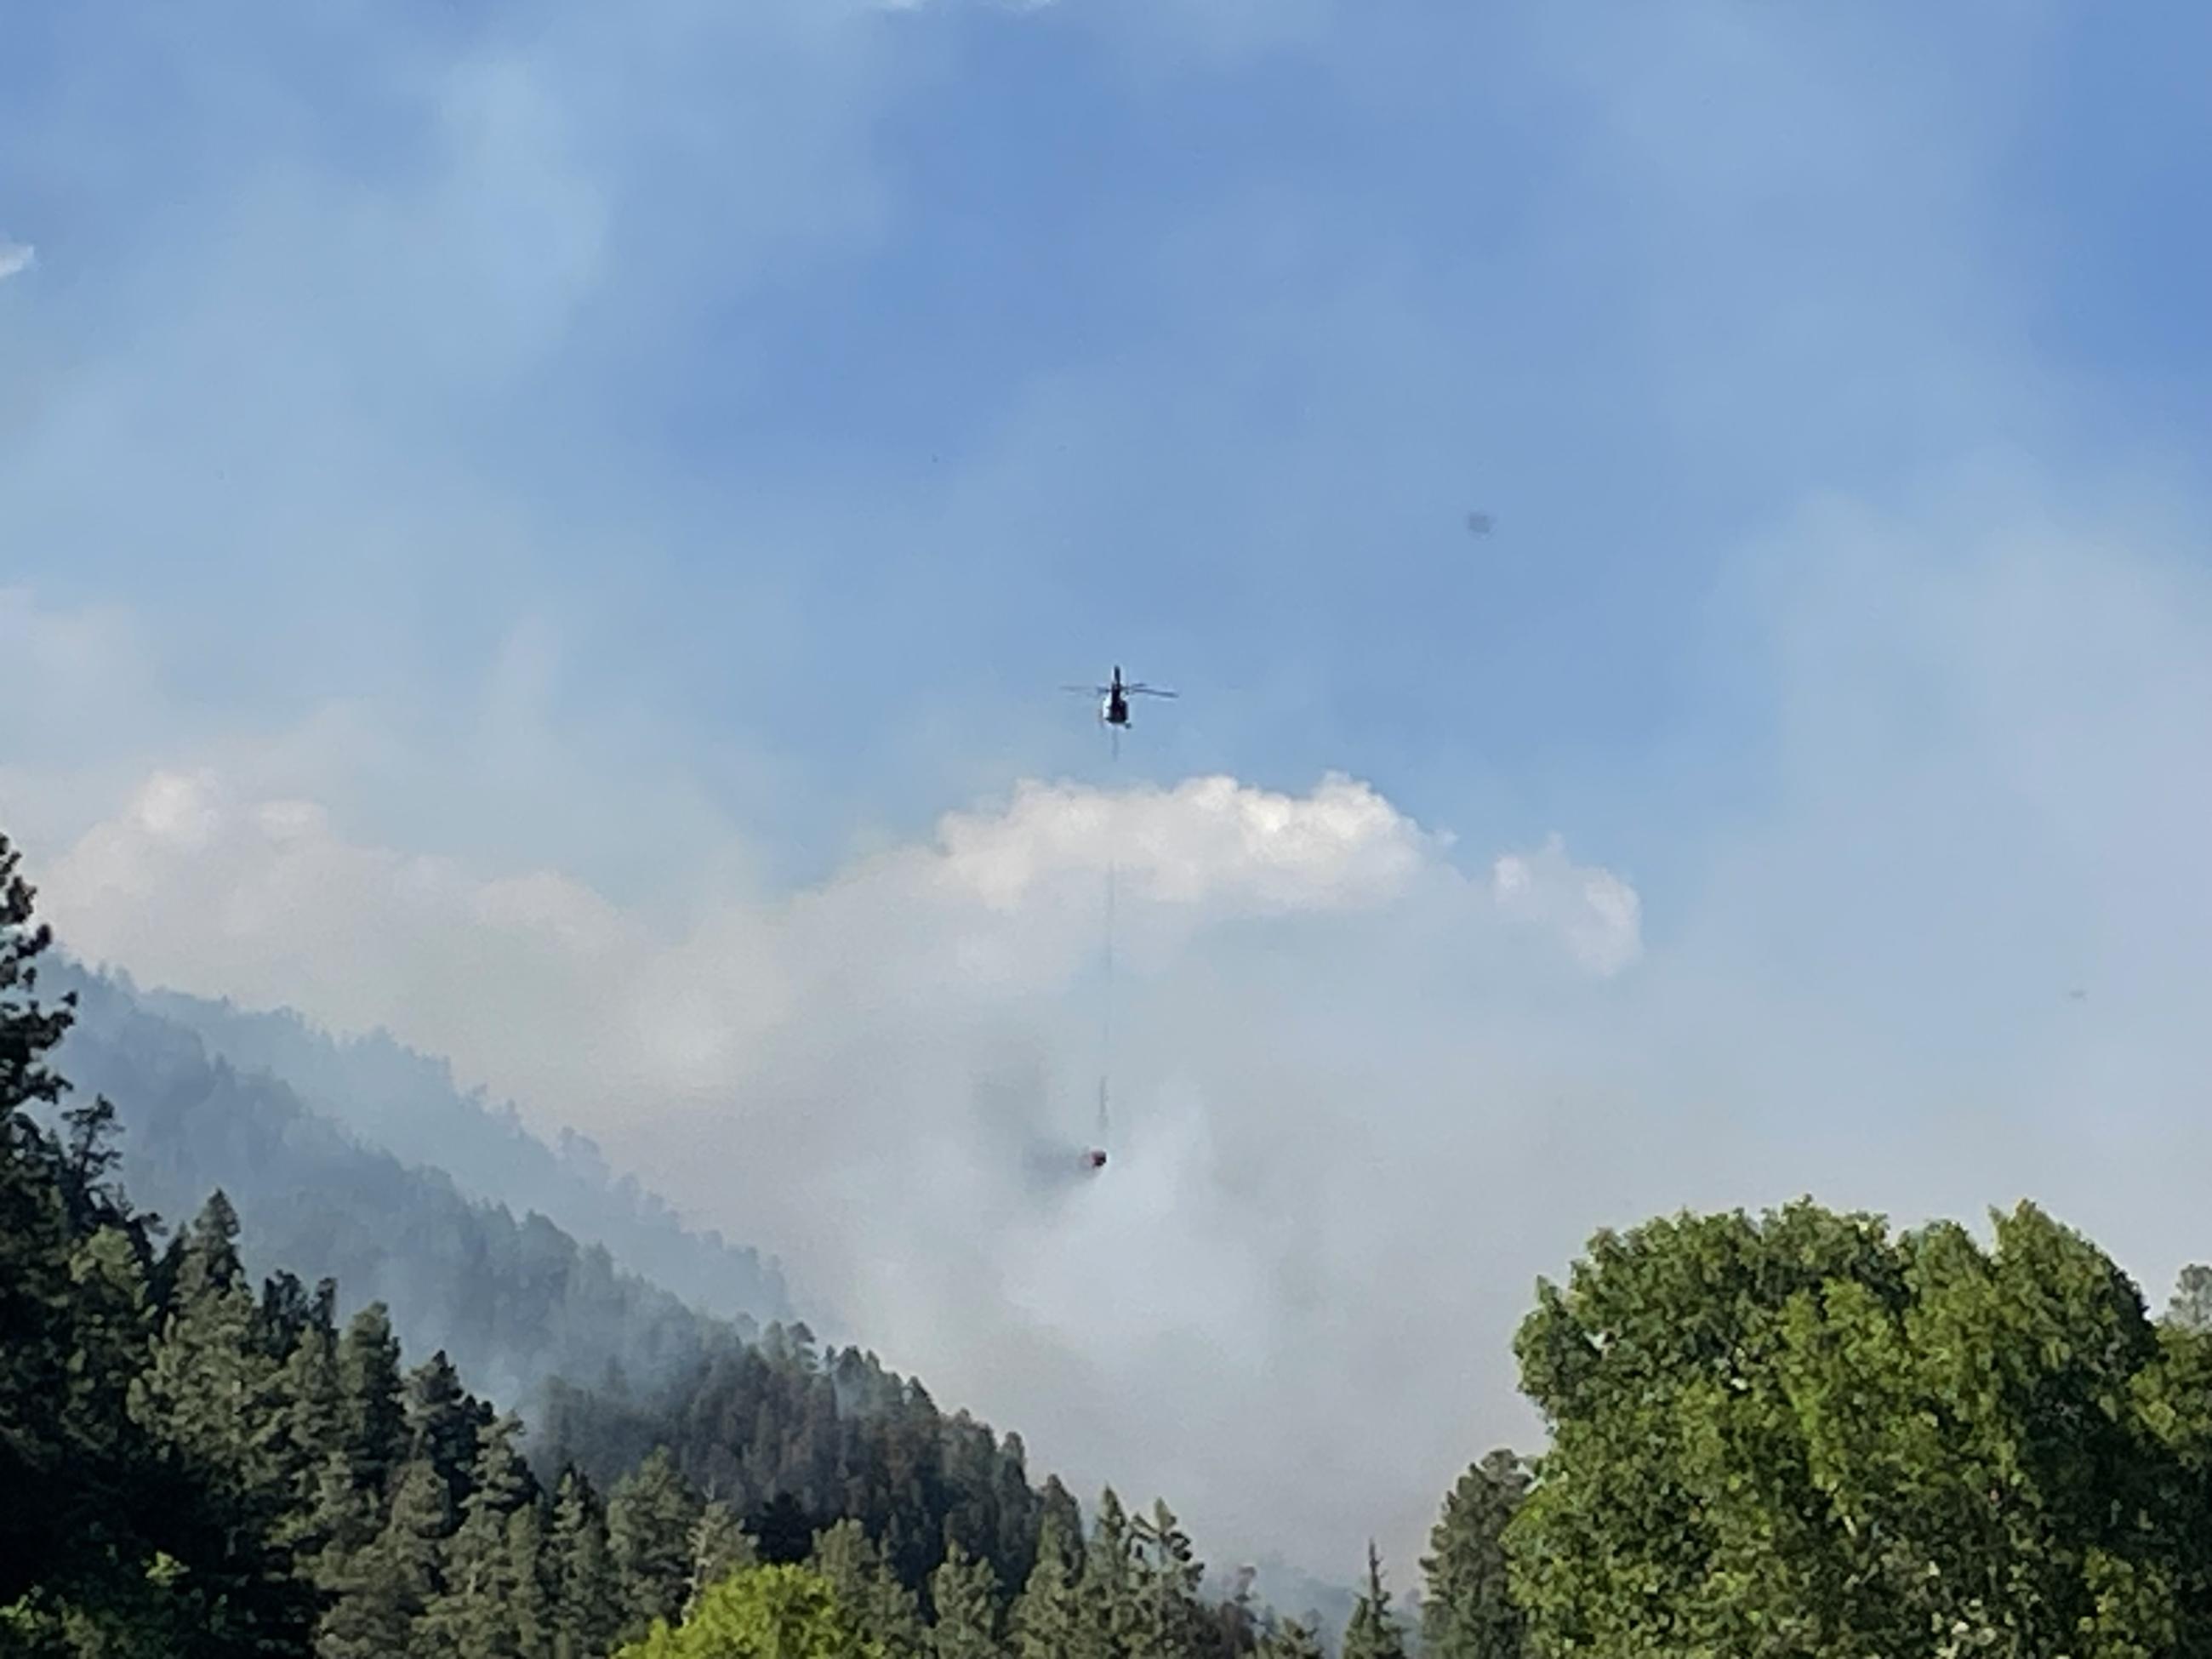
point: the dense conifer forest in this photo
(1792, 1434)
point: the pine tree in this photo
(91, 1197)
(587, 1598)
(1020, 1513)
(1468, 1612)
(1286, 1638)
(312, 1449)
(2190, 1307)
(442, 1422)
(969, 1620)
(1048, 1618)
(101, 1504)
(1111, 1614)
(529, 1579)
(650, 1515)
(389, 1586)
(780, 1527)
(210, 1391)
(1166, 1614)
(335, 1523)
(855, 1569)
(374, 1412)
(113, 1338)
(1373, 1632)
(34, 1250)
(475, 1615)
(719, 1547)
(212, 1399)
(1232, 1626)
(211, 1262)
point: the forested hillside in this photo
(514, 1302)
(189, 1468)
(408, 1105)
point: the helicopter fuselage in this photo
(1114, 711)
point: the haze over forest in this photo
(544, 544)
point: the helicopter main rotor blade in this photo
(1148, 691)
(1090, 690)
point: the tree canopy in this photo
(1799, 1435)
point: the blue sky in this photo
(849, 384)
(684, 446)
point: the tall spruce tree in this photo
(1166, 1614)
(1048, 1618)
(719, 1547)
(1109, 1607)
(970, 1621)
(529, 1609)
(1468, 1612)
(589, 1611)
(474, 1616)
(650, 1515)
(372, 1394)
(1374, 1630)
(443, 1423)
(388, 1587)
(213, 1401)
(35, 1300)
(854, 1567)
(1288, 1638)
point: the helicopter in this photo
(1114, 710)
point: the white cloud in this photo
(16, 257)
(1596, 913)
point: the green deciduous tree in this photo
(1796, 1435)
(780, 1611)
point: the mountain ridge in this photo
(516, 1301)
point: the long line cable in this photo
(1106, 1003)
(1106, 984)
